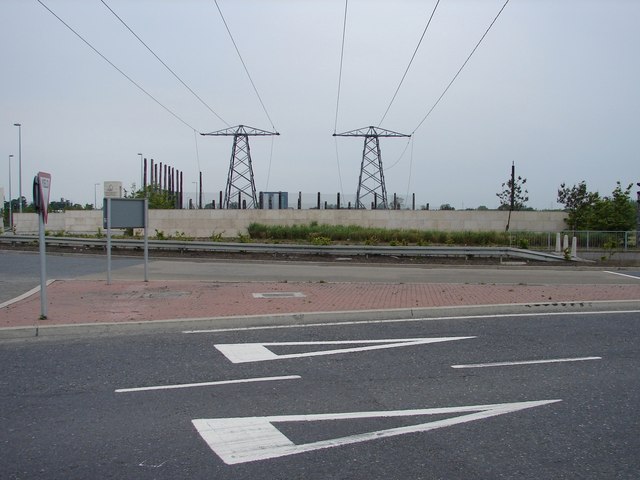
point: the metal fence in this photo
(587, 240)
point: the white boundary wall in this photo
(231, 223)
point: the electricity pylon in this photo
(371, 182)
(240, 182)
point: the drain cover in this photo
(279, 295)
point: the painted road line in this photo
(425, 319)
(526, 362)
(248, 439)
(623, 274)
(208, 384)
(33, 291)
(258, 352)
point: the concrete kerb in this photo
(301, 320)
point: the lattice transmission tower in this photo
(371, 183)
(240, 183)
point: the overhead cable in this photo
(175, 115)
(460, 69)
(410, 62)
(244, 65)
(164, 64)
(344, 30)
(335, 125)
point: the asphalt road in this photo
(64, 414)
(20, 271)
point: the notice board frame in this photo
(126, 213)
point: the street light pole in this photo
(19, 125)
(141, 173)
(196, 200)
(10, 200)
(95, 196)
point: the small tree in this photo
(514, 195)
(615, 213)
(578, 203)
(158, 199)
(588, 211)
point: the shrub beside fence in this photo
(546, 241)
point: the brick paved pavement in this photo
(72, 302)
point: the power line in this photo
(344, 30)
(164, 64)
(410, 62)
(460, 69)
(175, 115)
(244, 65)
(335, 125)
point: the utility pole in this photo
(512, 194)
(371, 182)
(240, 182)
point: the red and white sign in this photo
(44, 186)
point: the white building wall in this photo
(231, 223)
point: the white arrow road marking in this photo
(208, 384)
(258, 352)
(248, 439)
(526, 362)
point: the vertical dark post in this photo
(151, 177)
(220, 202)
(200, 193)
(413, 201)
(155, 178)
(144, 178)
(395, 202)
(171, 186)
(512, 196)
(279, 200)
(180, 195)
(318, 203)
(239, 200)
(244, 204)
(299, 200)
(338, 201)
(174, 181)
(375, 201)
(638, 217)
(166, 190)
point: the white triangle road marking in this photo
(249, 439)
(258, 352)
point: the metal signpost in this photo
(126, 213)
(41, 191)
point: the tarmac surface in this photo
(94, 302)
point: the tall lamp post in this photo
(141, 173)
(95, 196)
(10, 197)
(196, 200)
(19, 125)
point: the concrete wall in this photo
(230, 223)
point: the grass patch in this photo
(325, 234)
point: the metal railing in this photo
(587, 240)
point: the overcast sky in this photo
(554, 87)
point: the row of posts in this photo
(282, 202)
(563, 247)
(164, 179)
